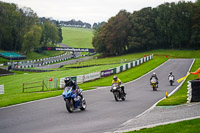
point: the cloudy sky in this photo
(89, 11)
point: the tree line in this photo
(168, 26)
(21, 29)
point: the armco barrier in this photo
(92, 76)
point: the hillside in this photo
(77, 37)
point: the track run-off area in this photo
(103, 113)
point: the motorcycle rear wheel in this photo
(84, 105)
(124, 98)
(171, 83)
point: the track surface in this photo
(103, 113)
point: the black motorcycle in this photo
(117, 92)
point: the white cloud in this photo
(85, 10)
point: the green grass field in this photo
(77, 37)
(189, 126)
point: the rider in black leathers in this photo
(69, 82)
(170, 74)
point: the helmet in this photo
(67, 80)
(115, 78)
(171, 72)
(154, 74)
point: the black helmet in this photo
(171, 72)
(115, 78)
(67, 80)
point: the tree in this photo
(195, 36)
(32, 39)
(113, 35)
(49, 33)
(143, 32)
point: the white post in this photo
(1, 89)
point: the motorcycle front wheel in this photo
(116, 95)
(70, 105)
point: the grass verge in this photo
(189, 126)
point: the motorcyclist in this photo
(118, 81)
(154, 76)
(71, 83)
(170, 74)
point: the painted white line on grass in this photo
(84, 91)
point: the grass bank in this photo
(77, 37)
(189, 126)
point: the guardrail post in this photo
(43, 85)
(23, 88)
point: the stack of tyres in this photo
(195, 90)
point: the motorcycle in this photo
(117, 92)
(171, 80)
(72, 100)
(154, 84)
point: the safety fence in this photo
(32, 70)
(41, 62)
(96, 75)
(33, 85)
(48, 83)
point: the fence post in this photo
(23, 88)
(43, 85)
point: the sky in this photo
(90, 11)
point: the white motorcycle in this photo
(171, 80)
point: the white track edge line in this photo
(153, 106)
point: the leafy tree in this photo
(59, 32)
(49, 33)
(32, 39)
(143, 32)
(113, 35)
(98, 40)
(195, 36)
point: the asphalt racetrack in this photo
(103, 113)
